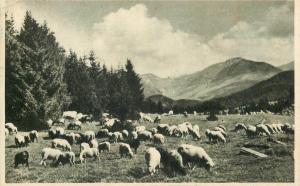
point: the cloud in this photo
(263, 40)
(153, 44)
(68, 35)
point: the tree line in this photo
(42, 80)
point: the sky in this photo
(168, 38)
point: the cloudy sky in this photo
(168, 38)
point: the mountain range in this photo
(218, 80)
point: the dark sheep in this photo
(134, 143)
(33, 135)
(22, 158)
(172, 161)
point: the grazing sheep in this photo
(289, 129)
(52, 133)
(84, 146)
(171, 130)
(93, 143)
(239, 126)
(271, 128)
(89, 153)
(70, 138)
(196, 128)
(125, 150)
(11, 128)
(64, 144)
(157, 119)
(182, 130)
(134, 143)
(222, 127)
(102, 133)
(195, 134)
(139, 129)
(221, 130)
(59, 131)
(21, 141)
(133, 135)
(215, 136)
(173, 160)
(145, 135)
(111, 122)
(251, 131)
(195, 155)
(163, 128)
(66, 157)
(22, 158)
(87, 136)
(154, 131)
(147, 118)
(50, 154)
(6, 132)
(104, 146)
(170, 112)
(262, 129)
(116, 136)
(74, 125)
(152, 158)
(33, 135)
(158, 139)
(125, 133)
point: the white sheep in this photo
(145, 135)
(196, 155)
(239, 126)
(251, 131)
(182, 130)
(93, 143)
(214, 136)
(84, 146)
(64, 144)
(125, 150)
(125, 133)
(6, 132)
(223, 127)
(152, 158)
(21, 140)
(154, 131)
(50, 154)
(139, 129)
(89, 153)
(262, 129)
(59, 131)
(171, 130)
(221, 130)
(158, 139)
(133, 135)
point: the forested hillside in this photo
(42, 80)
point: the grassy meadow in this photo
(230, 165)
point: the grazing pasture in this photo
(230, 166)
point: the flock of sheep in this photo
(174, 161)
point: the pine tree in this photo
(136, 88)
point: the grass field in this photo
(230, 166)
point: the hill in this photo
(288, 66)
(278, 86)
(217, 80)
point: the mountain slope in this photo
(278, 86)
(217, 80)
(288, 66)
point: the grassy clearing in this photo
(230, 167)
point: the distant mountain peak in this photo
(217, 80)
